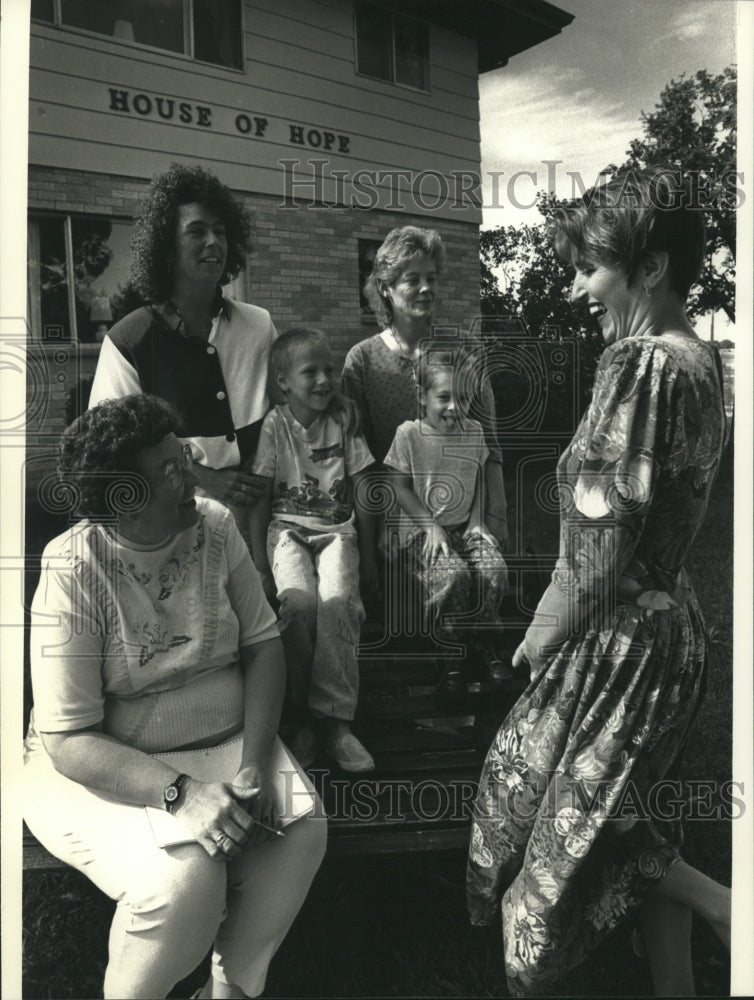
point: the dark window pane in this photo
(151, 22)
(367, 252)
(42, 10)
(217, 32)
(411, 53)
(374, 42)
(49, 279)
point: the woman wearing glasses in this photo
(151, 633)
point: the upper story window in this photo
(209, 30)
(392, 47)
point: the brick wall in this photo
(304, 264)
(81, 192)
(303, 269)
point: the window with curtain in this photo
(78, 270)
(392, 47)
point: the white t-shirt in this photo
(310, 468)
(443, 467)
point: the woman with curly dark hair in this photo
(151, 634)
(206, 354)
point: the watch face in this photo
(171, 793)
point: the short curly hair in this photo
(398, 247)
(152, 243)
(97, 454)
(633, 215)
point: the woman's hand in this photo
(524, 657)
(213, 813)
(253, 785)
(234, 486)
(436, 543)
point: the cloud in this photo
(693, 22)
(578, 99)
(552, 118)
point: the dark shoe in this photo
(452, 680)
(304, 747)
(498, 670)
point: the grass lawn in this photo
(396, 925)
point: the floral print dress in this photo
(574, 820)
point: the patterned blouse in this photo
(146, 639)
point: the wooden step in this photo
(495, 700)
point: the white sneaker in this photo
(349, 754)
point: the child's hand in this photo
(436, 543)
(481, 529)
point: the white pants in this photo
(174, 903)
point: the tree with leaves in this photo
(693, 127)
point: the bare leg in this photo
(213, 989)
(702, 894)
(666, 932)
(224, 991)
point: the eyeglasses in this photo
(176, 467)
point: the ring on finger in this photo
(220, 839)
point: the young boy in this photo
(437, 465)
(306, 546)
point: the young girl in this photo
(437, 464)
(305, 542)
(379, 372)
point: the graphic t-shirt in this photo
(310, 467)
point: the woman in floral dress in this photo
(576, 822)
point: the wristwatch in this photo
(173, 792)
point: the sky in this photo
(577, 98)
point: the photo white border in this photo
(14, 84)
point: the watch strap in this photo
(177, 784)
